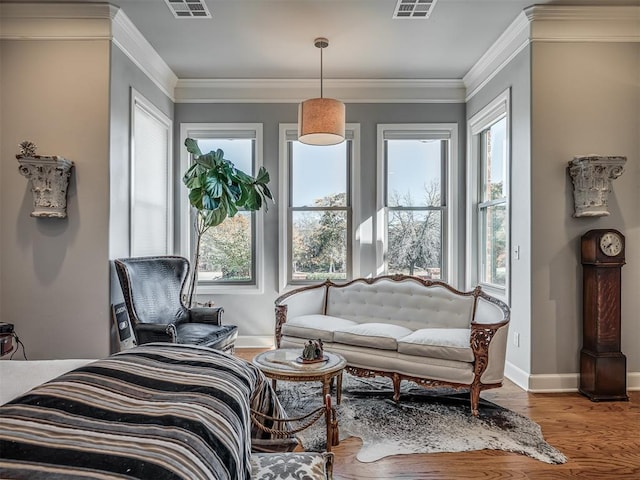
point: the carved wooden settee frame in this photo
(481, 335)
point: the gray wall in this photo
(516, 76)
(586, 100)
(55, 280)
(54, 275)
(254, 313)
(124, 75)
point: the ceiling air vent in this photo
(188, 8)
(414, 8)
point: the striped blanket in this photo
(157, 411)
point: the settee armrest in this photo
(308, 300)
(489, 338)
(154, 332)
(484, 351)
(209, 315)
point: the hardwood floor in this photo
(601, 441)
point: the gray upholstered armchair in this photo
(152, 288)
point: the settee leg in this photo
(475, 399)
(396, 387)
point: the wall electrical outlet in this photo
(516, 339)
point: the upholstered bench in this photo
(402, 327)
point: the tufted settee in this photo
(404, 328)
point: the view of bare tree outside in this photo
(226, 250)
(415, 236)
(414, 175)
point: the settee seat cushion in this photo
(382, 336)
(444, 343)
(315, 326)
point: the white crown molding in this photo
(550, 23)
(295, 90)
(504, 49)
(86, 21)
(56, 21)
(584, 23)
(554, 23)
(129, 39)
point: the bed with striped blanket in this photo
(157, 411)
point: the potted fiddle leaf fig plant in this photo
(217, 190)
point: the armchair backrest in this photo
(152, 288)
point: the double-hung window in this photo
(230, 253)
(488, 208)
(151, 214)
(416, 200)
(317, 209)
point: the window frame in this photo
(139, 101)
(212, 131)
(449, 204)
(499, 108)
(289, 132)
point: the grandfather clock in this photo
(603, 367)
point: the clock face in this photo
(611, 244)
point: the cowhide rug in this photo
(423, 422)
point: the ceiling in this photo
(274, 39)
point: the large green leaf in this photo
(212, 218)
(263, 176)
(192, 147)
(213, 186)
(218, 189)
(210, 203)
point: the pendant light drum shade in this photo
(321, 121)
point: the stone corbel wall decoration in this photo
(48, 178)
(592, 176)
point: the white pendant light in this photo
(321, 120)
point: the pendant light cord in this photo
(321, 48)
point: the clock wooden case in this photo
(603, 367)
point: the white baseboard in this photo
(556, 382)
(516, 375)
(633, 381)
(255, 341)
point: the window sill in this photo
(229, 289)
(500, 293)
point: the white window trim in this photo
(287, 130)
(196, 130)
(451, 240)
(498, 108)
(138, 100)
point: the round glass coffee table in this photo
(284, 364)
